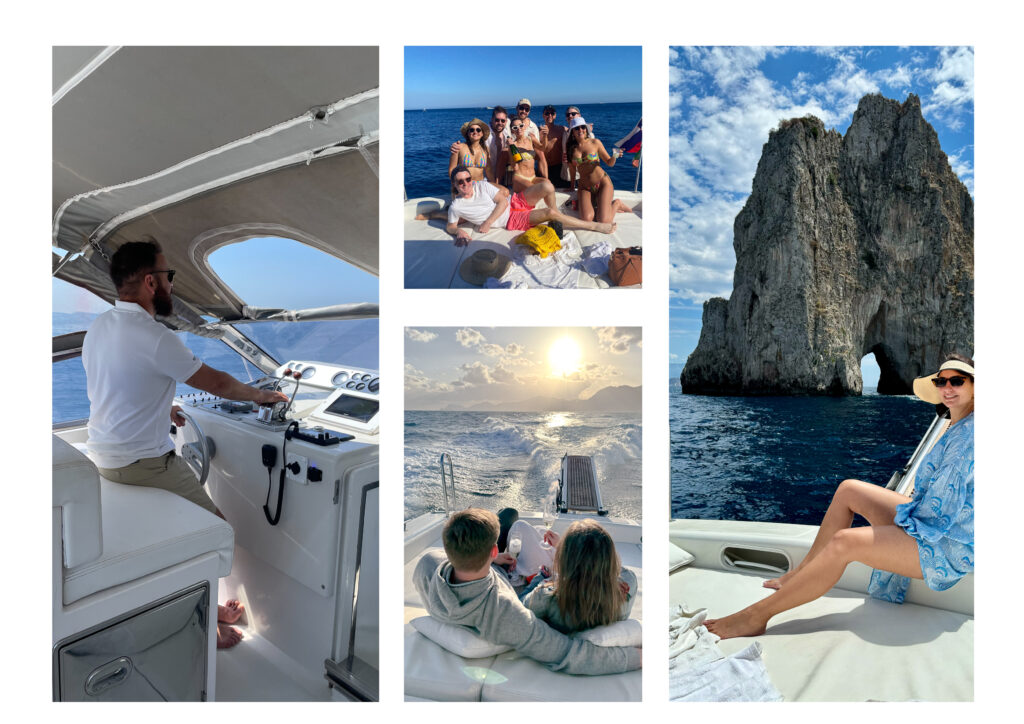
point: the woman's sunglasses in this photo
(516, 126)
(954, 381)
(475, 129)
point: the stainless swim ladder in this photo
(448, 479)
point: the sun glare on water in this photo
(564, 356)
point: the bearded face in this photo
(162, 302)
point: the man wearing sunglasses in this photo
(132, 366)
(486, 205)
(523, 114)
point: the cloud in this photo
(491, 350)
(469, 337)
(514, 349)
(723, 104)
(617, 340)
(475, 373)
(418, 381)
(418, 335)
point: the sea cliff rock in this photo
(847, 245)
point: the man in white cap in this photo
(523, 113)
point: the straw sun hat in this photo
(483, 264)
(928, 392)
(477, 122)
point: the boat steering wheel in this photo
(195, 448)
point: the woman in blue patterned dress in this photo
(929, 536)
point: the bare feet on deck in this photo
(607, 228)
(227, 636)
(777, 583)
(230, 611)
(620, 206)
(741, 623)
(421, 217)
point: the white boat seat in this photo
(76, 491)
(142, 530)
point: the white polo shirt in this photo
(475, 210)
(132, 364)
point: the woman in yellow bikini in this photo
(473, 153)
(526, 160)
(595, 192)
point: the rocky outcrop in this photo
(847, 245)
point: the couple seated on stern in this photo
(524, 150)
(469, 586)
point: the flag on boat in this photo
(631, 142)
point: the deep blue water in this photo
(511, 458)
(781, 458)
(429, 135)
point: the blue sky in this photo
(510, 364)
(471, 77)
(724, 101)
(264, 272)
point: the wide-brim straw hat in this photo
(477, 121)
(928, 392)
(483, 264)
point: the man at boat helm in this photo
(483, 203)
(132, 365)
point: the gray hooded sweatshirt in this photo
(490, 606)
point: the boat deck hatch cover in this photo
(579, 491)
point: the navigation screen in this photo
(354, 408)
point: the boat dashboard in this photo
(331, 403)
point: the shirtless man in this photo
(552, 139)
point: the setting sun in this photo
(564, 356)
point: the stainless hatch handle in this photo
(108, 675)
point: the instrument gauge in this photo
(339, 379)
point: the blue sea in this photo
(503, 459)
(429, 135)
(780, 458)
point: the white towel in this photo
(596, 260)
(740, 677)
(698, 672)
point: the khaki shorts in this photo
(167, 472)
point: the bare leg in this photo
(620, 206)
(605, 194)
(586, 204)
(435, 214)
(540, 190)
(887, 547)
(539, 216)
(227, 636)
(875, 503)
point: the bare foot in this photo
(742, 623)
(619, 206)
(230, 611)
(777, 583)
(421, 217)
(607, 228)
(227, 636)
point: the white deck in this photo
(845, 646)
(432, 673)
(432, 260)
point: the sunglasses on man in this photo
(169, 272)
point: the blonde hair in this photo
(587, 588)
(469, 536)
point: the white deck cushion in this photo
(432, 260)
(146, 530)
(677, 557)
(76, 491)
(460, 640)
(621, 633)
(518, 678)
(439, 675)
